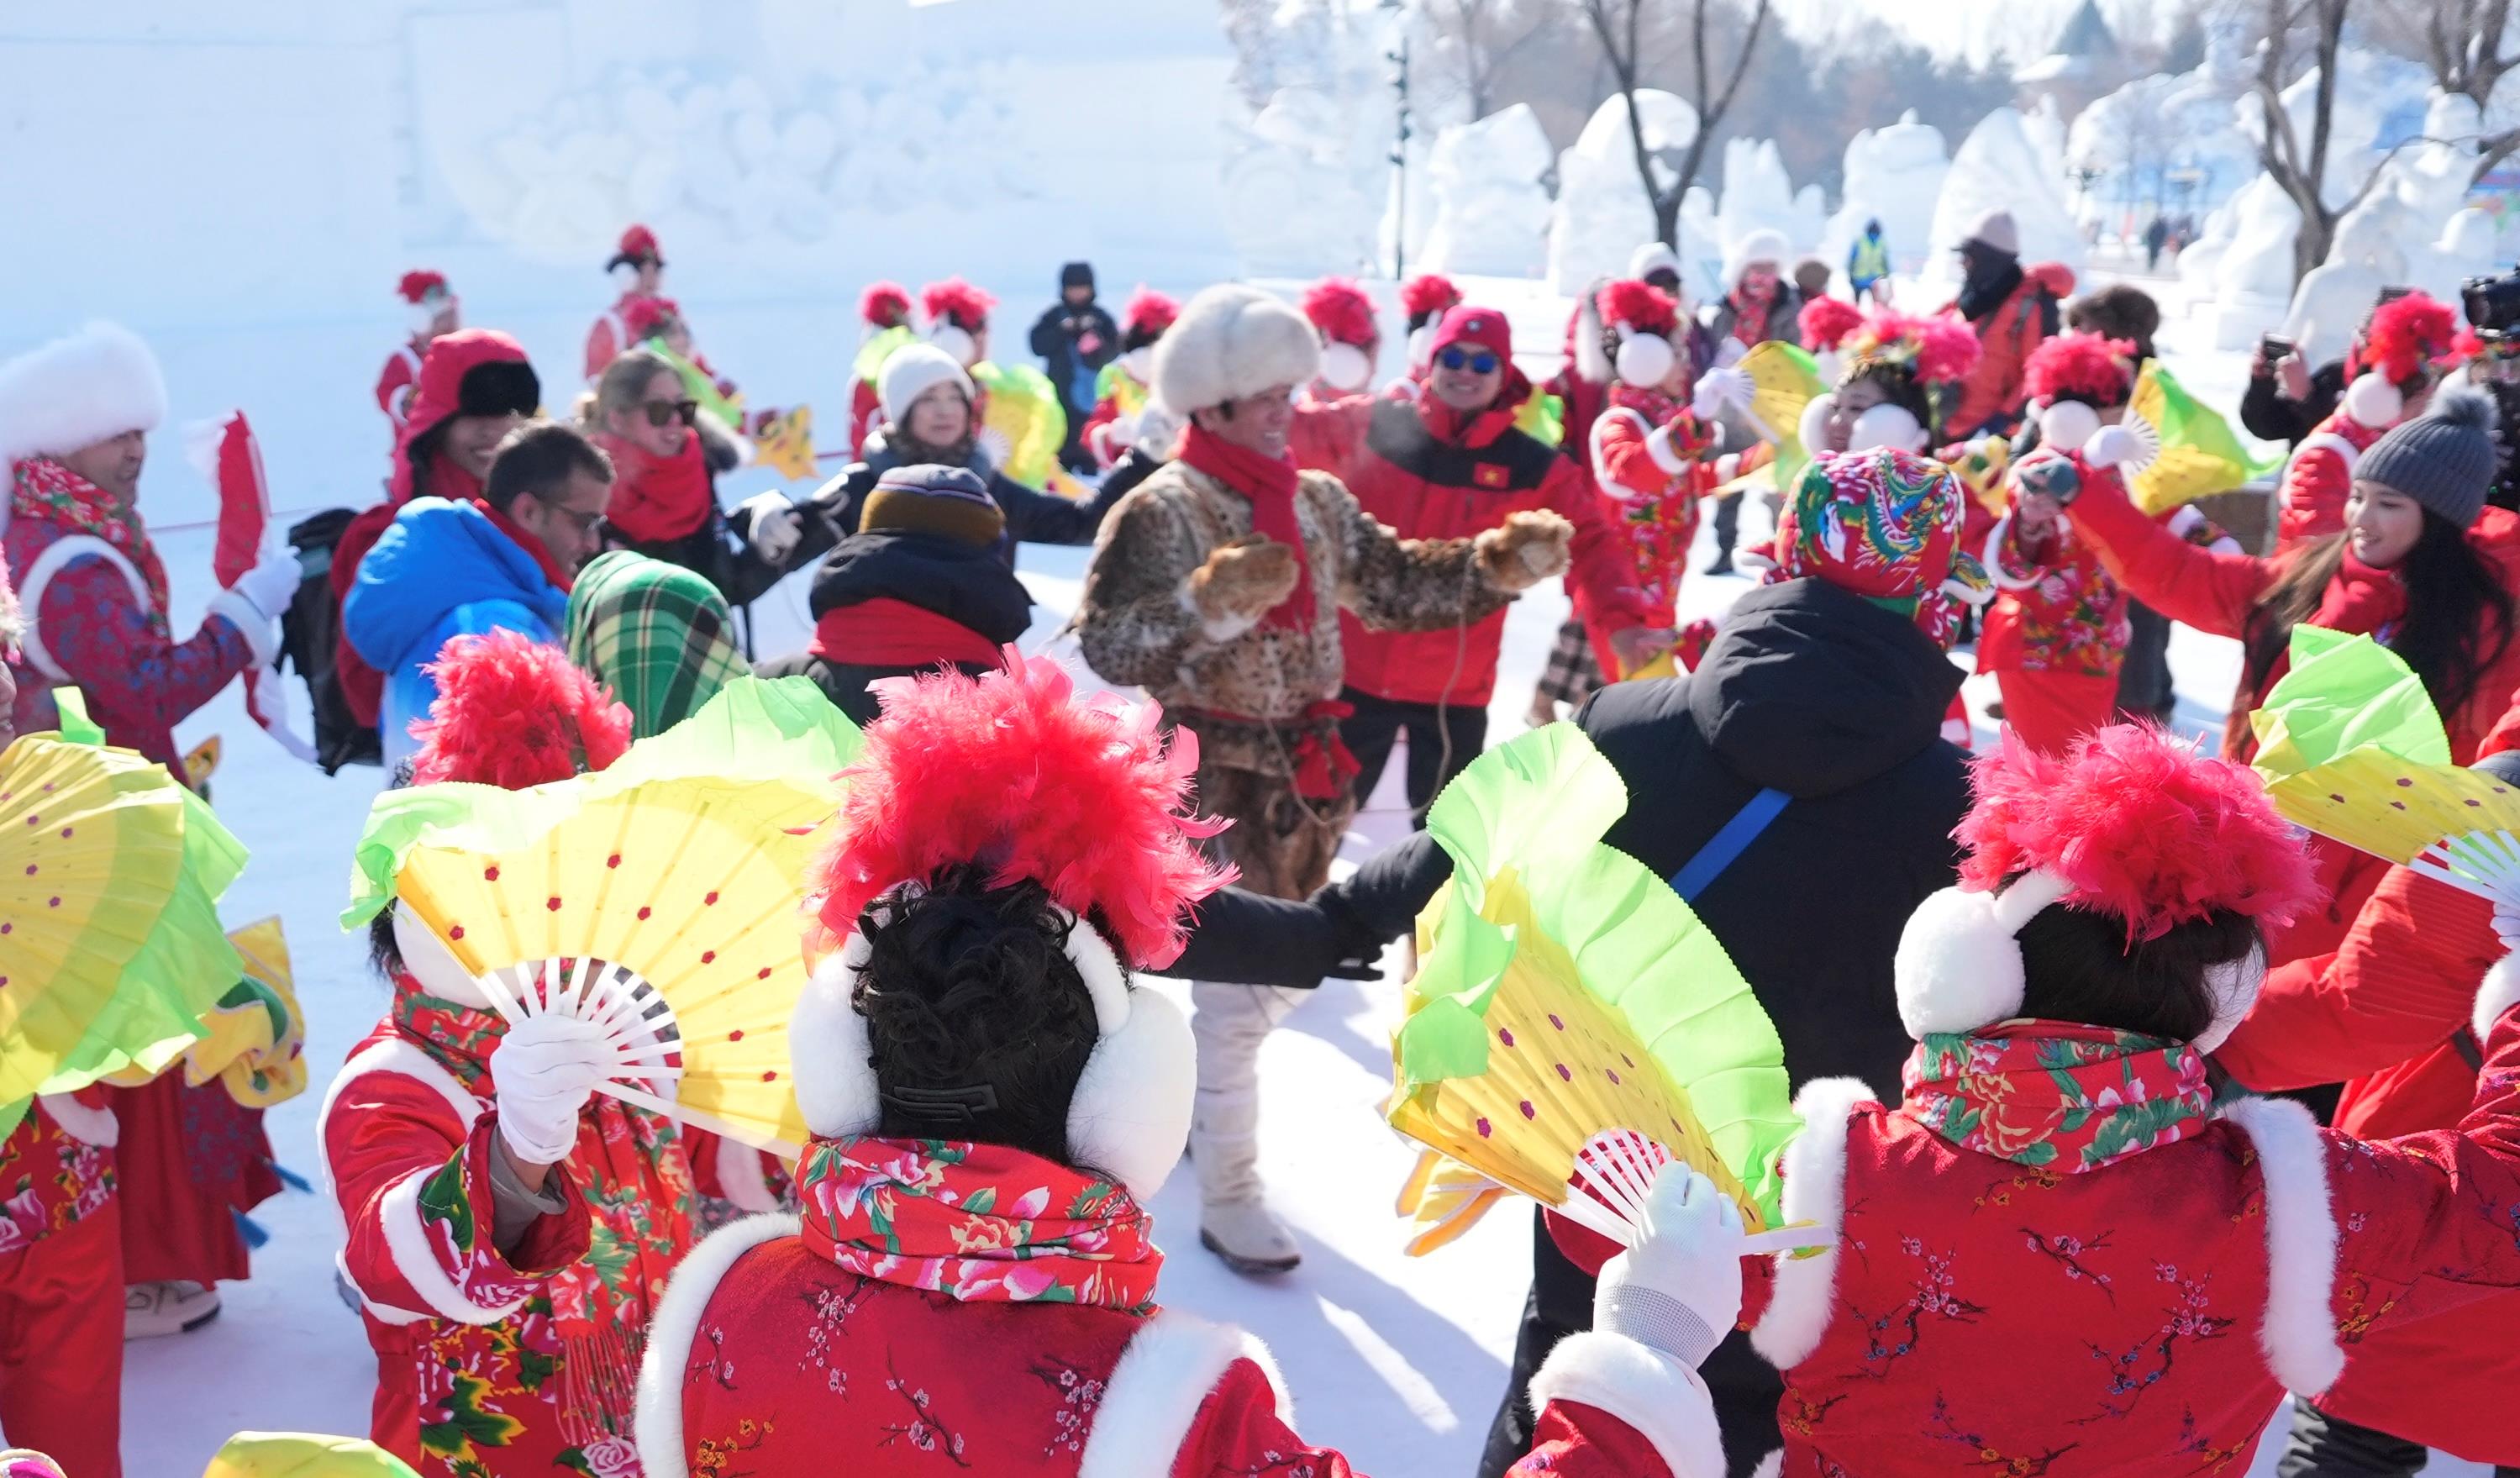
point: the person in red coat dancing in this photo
(1444, 459)
(2059, 629)
(1351, 339)
(2390, 376)
(435, 314)
(509, 1232)
(971, 1281)
(2064, 1251)
(2425, 567)
(638, 267)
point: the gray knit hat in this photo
(2444, 459)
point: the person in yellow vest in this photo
(1867, 266)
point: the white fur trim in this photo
(1645, 359)
(2373, 401)
(1886, 426)
(78, 390)
(1658, 446)
(38, 577)
(2299, 1335)
(827, 1050)
(676, 1325)
(2067, 425)
(2342, 450)
(1771, 1466)
(407, 1244)
(261, 633)
(1155, 1392)
(1664, 1400)
(2497, 993)
(390, 1055)
(1958, 966)
(1592, 360)
(1231, 342)
(1765, 245)
(89, 1126)
(1988, 558)
(1815, 1191)
(912, 371)
(1131, 1112)
(743, 1178)
(427, 959)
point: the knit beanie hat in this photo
(932, 499)
(1886, 525)
(1076, 275)
(2444, 460)
(912, 371)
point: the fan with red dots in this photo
(1574, 1026)
(659, 899)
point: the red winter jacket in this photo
(433, 402)
(2218, 593)
(1411, 470)
(2319, 476)
(1997, 385)
(395, 381)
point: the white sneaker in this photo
(152, 1310)
(1247, 1237)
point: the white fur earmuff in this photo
(1422, 346)
(1344, 366)
(2066, 424)
(1959, 963)
(2373, 401)
(1645, 359)
(954, 341)
(1812, 430)
(1886, 426)
(2234, 984)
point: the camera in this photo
(2492, 303)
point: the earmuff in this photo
(2373, 401)
(2067, 425)
(1345, 367)
(1130, 1115)
(1886, 426)
(955, 340)
(1645, 359)
(1813, 428)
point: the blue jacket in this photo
(441, 571)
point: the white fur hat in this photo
(77, 391)
(1652, 257)
(912, 371)
(1763, 245)
(1231, 342)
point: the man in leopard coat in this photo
(1217, 586)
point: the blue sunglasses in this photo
(1458, 358)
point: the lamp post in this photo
(1397, 53)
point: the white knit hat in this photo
(1232, 342)
(912, 371)
(77, 391)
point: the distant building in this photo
(2085, 64)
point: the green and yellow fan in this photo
(1785, 380)
(658, 898)
(2351, 748)
(2190, 451)
(1573, 1025)
(110, 943)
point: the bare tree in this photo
(1618, 26)
(2462, 41)
(1480, 39)
(2301, 166)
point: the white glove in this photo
(1718, 389)
(1679, 1288)
(2111, 445)
(776, 525)
(545, 1069)
(272, 583)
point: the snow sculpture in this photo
(1602, 210)
(2253, 277)
(1294, 205)
(1491, 208)
(2004, 164)
(1759, 196)
(1892, 175)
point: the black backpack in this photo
(310, 631)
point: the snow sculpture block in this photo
(1491, 209)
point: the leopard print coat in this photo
(1137, 625)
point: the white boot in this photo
(150, 1310)
(1230, 1023)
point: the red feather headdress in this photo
(1149, 312)
(957, 302)
(644, 317)
(2144, 828)
(513, 712)
(1341, 311)
(2082, 367)
(1014, 769)
(1826, 321)
(417, 286)
(885, 305)
(2407, 335)
(1427, 296)
(1936, 350)
(1641, 306)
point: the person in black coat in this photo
(919, 585)
(2271, 411)
(1075, 339)
(1813, 690)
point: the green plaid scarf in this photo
(654, 633)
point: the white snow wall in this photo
(244, 183)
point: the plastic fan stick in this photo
(2344, 693)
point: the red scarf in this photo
(1647, 401)
(977, 1223)
(2361, 601)
(1268, 484)
(1750, 315)
(1475, 428)
(2056, 1092)
(45, 490)
(532, 546)
(656, 499)
(885, 633)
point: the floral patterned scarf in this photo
(631, 1170)
(42, 488)
(2057, 1094)
(980, 1223)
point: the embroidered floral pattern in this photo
(1080, 1396)
(48, 1180)
(2049, 1093)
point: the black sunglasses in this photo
(1458, 358)
(662, 412)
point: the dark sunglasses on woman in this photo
(662, 412)
(1456, 358)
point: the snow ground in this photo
(1398, 1361)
